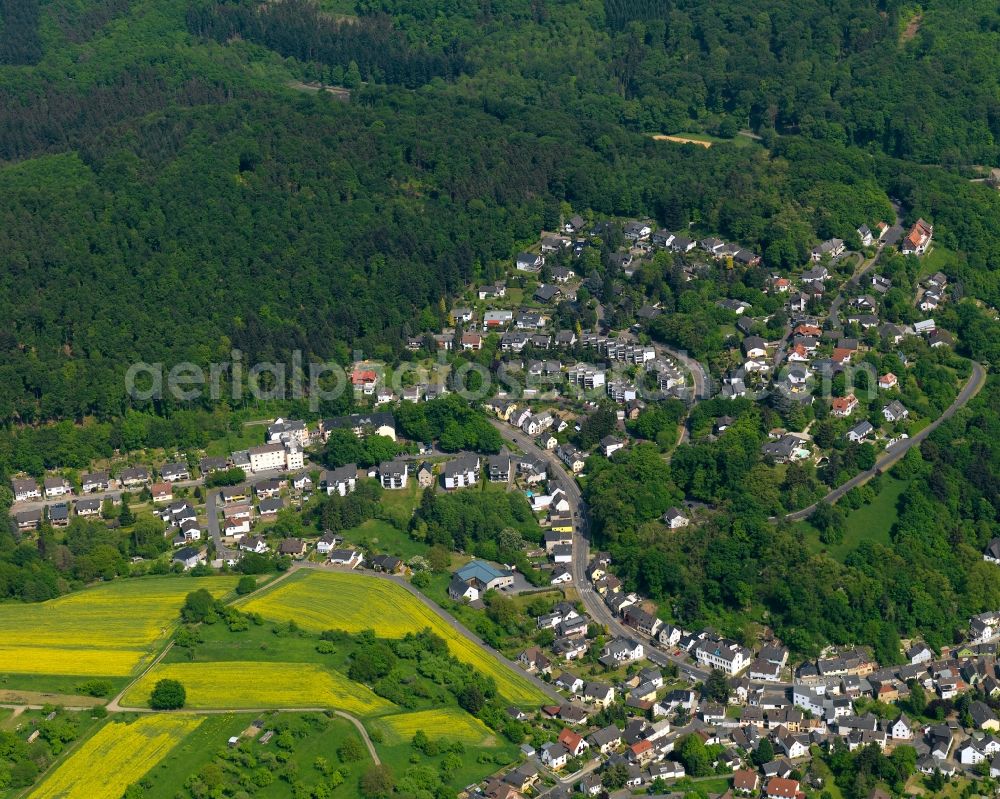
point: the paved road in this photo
(592, 601)
(702, 384)
(891, 456)
(222, 551)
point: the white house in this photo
(393, 475)
(267, 457)
(461, 472)
(727, 656)
(900, 729)
(675, 519)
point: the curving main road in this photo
(593, 603)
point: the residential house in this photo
(349, 558)
(162, 492)
(88, 507)
(888, 381)
(529, 262)
(781, 788)
(56, 487)
(575, 743)
(860, 431)
(28, 519)
(425, 475)
(895, 411)
(918, 239)
(95, 481)
(482, 576)
(555, 756)
(831, 248)
(172, 472)
(599, 694)
(25, 489)
(189, 557)
(380, 423)
(393, 475)
(533, 660)
(675, 519)
(134, 476)
(268, 508)
(722, 654)
(843, 407)
(461, 472)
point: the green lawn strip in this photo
(56, 683)
(870, 522)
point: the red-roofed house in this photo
(745, 781)
(842, 355)
(364, 379)
(887, 381)
(641, 752)
(781, 788)
(573, 742)
(472, 341)
(844, 406)
(918, 239)
(808, 330)
(162, 492)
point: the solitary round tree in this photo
(167, 695)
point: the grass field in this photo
(115, 757)
(252, 684)
(105, 631)
(868, 523)
(384, 537)
(450, 723)
(353, 602)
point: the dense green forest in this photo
(168, 196)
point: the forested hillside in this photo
(168, 196)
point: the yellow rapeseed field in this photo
(450, 723)
(115, 757)
(104, 631)
(251, 684)
(354, 602)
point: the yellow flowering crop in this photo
(353, 602)
(251, 684)
(115, 757)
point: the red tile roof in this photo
(782, 788)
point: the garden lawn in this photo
(115, 757)
(383, 537)
(107, 631)
(353, 602)
(250, 684)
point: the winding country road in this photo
(896, 452)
